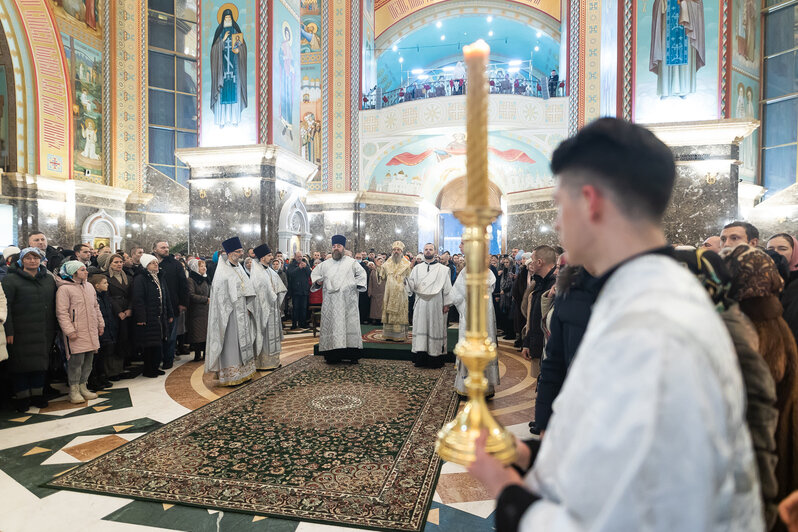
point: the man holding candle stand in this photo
(648, 432)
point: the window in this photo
(172, 80)
(780, 109)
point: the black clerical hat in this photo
(339, 239)
(232, 244)
(262, 250)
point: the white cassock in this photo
(459, 301)
(432, 285)
(275, 338)
(269, 355)
(234, 337)
(340, 316)
(661, 445)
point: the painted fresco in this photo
(422, 166)
(310, 86)
(677, 61)
(85, 67)
(81, 11)
(228, 74)
(745, 82)
(286, 79)
(310, 31)
(4, 113)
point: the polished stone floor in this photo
(43, 443)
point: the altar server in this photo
(234, 337)
(431, 283)
(340, 278)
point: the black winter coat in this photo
(577, 290)
(298, 280)
(152, 308)
(54, 258)
(120, 293)
(199, 289)
(534, 339)
(31, 318)
(110, 318)
(173, 275)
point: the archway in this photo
(451, 198)
(293, 229)
(101, 228)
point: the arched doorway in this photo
(293, 234)
(452, 198)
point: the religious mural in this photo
(423, 165)
(85, 67)
(745, 83)
(228, 80)
(677, 61)
(286, 81)
(4, 113)
(310, 86)
(81, 11)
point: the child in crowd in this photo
(98, 380)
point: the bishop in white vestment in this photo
(234, 337)
(271, 292)
(430, 281)
(340, 278)
(459, 301)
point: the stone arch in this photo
(292, 224)
(101, 225)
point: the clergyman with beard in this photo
(431, 283)
(394, 304)
(340, 279)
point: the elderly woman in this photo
(30, 326)
(199, 294)
(756, 284)
(152, 314)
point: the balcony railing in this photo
(376, 99)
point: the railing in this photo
(376, 99)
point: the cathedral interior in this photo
(285, 122)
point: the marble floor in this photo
(43, 443)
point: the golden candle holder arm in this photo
(456, 441)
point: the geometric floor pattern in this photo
(35, 450)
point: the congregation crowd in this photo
(695, 340)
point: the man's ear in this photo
(594, 200)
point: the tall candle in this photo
(476, 58)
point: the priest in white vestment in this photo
(431, 283)
(459, 301)
(341, 279)
(234, 337)
(649, 430)
(271, 292)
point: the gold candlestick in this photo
(455, 441)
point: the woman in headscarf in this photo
(199, 294)
(119, 289)
(756, 284)
(152, 314)
(30, 326)
(82, 325)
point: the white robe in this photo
(234, 337)
(459, 301)
(340, 315)
(432, 284)
(275, 338)
(649, 432)
(269, 356)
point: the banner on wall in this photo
(389, 12)
(53, 109)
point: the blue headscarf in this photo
(69, 268)
(29, 250)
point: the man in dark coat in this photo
(542, 263)
(37, 239)
(173, 275)
(299, 287)
(30, 326)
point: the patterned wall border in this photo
(108, 106)
(724, 61)
(626, 13)
(22, 91)
(143, 158)
(575, 63)
(325, 108)
(356, 47)
(264, 88)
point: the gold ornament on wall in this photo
(203, 194)
(247, 192)
(711, 178)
